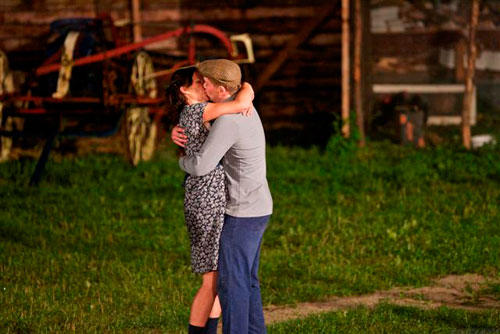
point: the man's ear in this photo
(221, 89)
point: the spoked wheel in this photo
(141, 135)
(140, 129)
(6, 122)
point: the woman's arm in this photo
(241, 104)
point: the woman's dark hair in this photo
(181, 78)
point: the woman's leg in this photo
(216, 309)
(203, 302)
(213, 320)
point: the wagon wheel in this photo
(140, 129)
(6, 86)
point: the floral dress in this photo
(205, 197)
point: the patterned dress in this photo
(205, 197)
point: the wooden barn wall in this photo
(299, 101)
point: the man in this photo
(240, 142)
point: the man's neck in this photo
(222, 98)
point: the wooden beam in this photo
(292, 45)
(471, 64)
(345, 69)
(358, 93)
(418, 88)
(309, 82)
(366, 63)
(136, 19)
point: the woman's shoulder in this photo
(196, 106)
(192, 113)
(193, 110)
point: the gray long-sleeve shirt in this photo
(241, 142)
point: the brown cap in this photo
(221, 71)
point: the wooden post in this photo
(345, 69)
(358, 94)
(471, 64)
(136, 20)
(366, 62)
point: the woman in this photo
(205, 196)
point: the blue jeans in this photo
(238, 284)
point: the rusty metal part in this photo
(199, 28)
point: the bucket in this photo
(480, 140)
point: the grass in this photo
(101, 247)
(394, 319)
(353, 224)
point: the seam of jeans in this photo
(228, 268)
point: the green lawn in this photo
(394, 319)
(101, 247)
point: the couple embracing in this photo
(227, 201)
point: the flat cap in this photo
(221, 71)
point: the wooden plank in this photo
(277, 41)
(269, 26)
(308, 70)
(329, 53)
(345, 69)
(136, 19)
(262, 41)
(311, 82)
(9, 44)
(42, 16)
(293, 44)
(207, 4)
(15, 30)
(310, 93)
(284, 112)
(412, 43)
(8, 4)
(222, 13)
(416, 88)
(21, 5)
(289, 41)
(358, 96)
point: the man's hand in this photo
(178, 136)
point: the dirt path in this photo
(461, 292)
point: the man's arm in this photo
(222, 136)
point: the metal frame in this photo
(60, 106)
